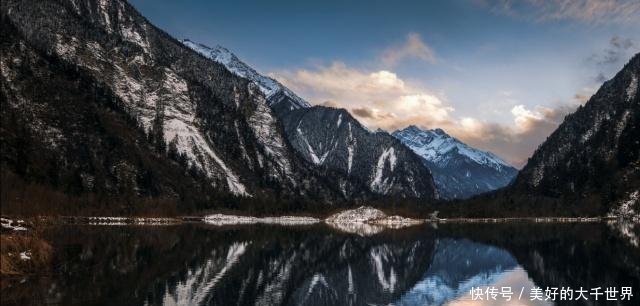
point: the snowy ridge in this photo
(459, 171)
(433, 145)
(268, 86)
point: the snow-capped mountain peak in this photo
(272, 89)
(435, 144)
(459, 170)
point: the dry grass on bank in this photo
(24, 253)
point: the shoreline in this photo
(125, 220)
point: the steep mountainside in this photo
(459, 170)
(96, 99)
(331, 138)
(594, 155)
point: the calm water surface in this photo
(197, 264)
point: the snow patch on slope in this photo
(351, 143)
(263, 124)
(378, 183)
(312, 153)
(632, 90)
(146, 98)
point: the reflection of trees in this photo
(196, 264)
(570, 255)
(293, 267)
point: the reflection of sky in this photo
(516, 279)
(433, 291)
(460, 265)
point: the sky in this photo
(499, 75)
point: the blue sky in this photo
(495, 74)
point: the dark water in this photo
(197, 264)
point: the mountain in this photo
(331, 138)
(98, 103)
(279, 97)
(459, 171)
(594, 155)
(96, 100)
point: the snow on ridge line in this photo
(268, 86)
(434, 144)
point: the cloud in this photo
(363, 112)
(618, 50)
(513, 143)
(329, 103)
(587, 11)
(609, 60)
(381, 99)
(413, 47)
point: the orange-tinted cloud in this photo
(380, 99)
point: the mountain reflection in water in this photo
(196, 264)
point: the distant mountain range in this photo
(459, 170)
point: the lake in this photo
(431, 264)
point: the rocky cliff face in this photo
(595, 153)
(459, 170)
(108, 102)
